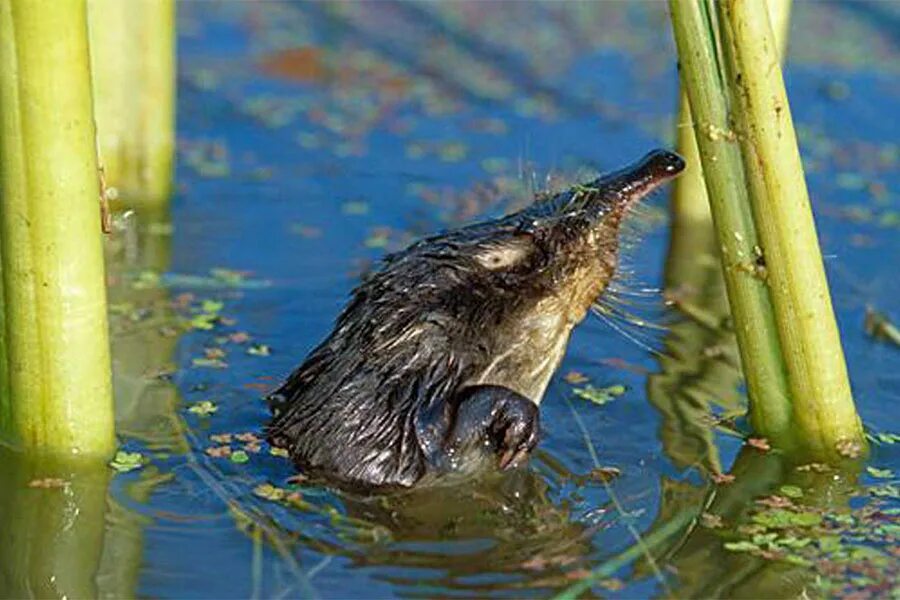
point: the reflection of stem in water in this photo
(52, 537)
(706, 569)
(145, 404)
(699, 367)
(701, 551)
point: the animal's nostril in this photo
(676, 163)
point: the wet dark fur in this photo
(408, 382)
(377, 401)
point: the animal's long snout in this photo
(640, 178)
(615, 192)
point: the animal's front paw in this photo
(515, 429)
(498, 419)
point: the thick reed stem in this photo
(133, 58)
(690, 204)
(59, 397)
(823, 410)
(703, 80)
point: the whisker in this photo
(617, 285)
(630, 318)
(621, 290)
(621, 330)
(640, 303)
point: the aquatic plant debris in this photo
(849, 448)
(223, 451)
(575, 377)
(214, 363)
(849, 549)
(259, 350)
(204, 408)
(268, 491)
(760, 444)
(240, 457)
(123, 462)
(880, 327)
(597, 395)
(48, 483)
(722, 478)
(605, 474)
(711, 521)
(880, 473)
(279, 452)
(885, 438)
(791, 491)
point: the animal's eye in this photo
(505, 254)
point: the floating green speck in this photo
(127, 461)
(791, 491)
(599, 395)
(204, 408)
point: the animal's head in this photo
(514, 287)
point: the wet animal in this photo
(439, 361)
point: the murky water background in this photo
(315, 137)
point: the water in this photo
(312, 139)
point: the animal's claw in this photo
(515, 430)
(495, 419)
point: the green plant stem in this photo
(133, 58)
(723, 172)
(5, 412)
(690, 203)
(780, 16)
(823, 409)
(56, 341)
